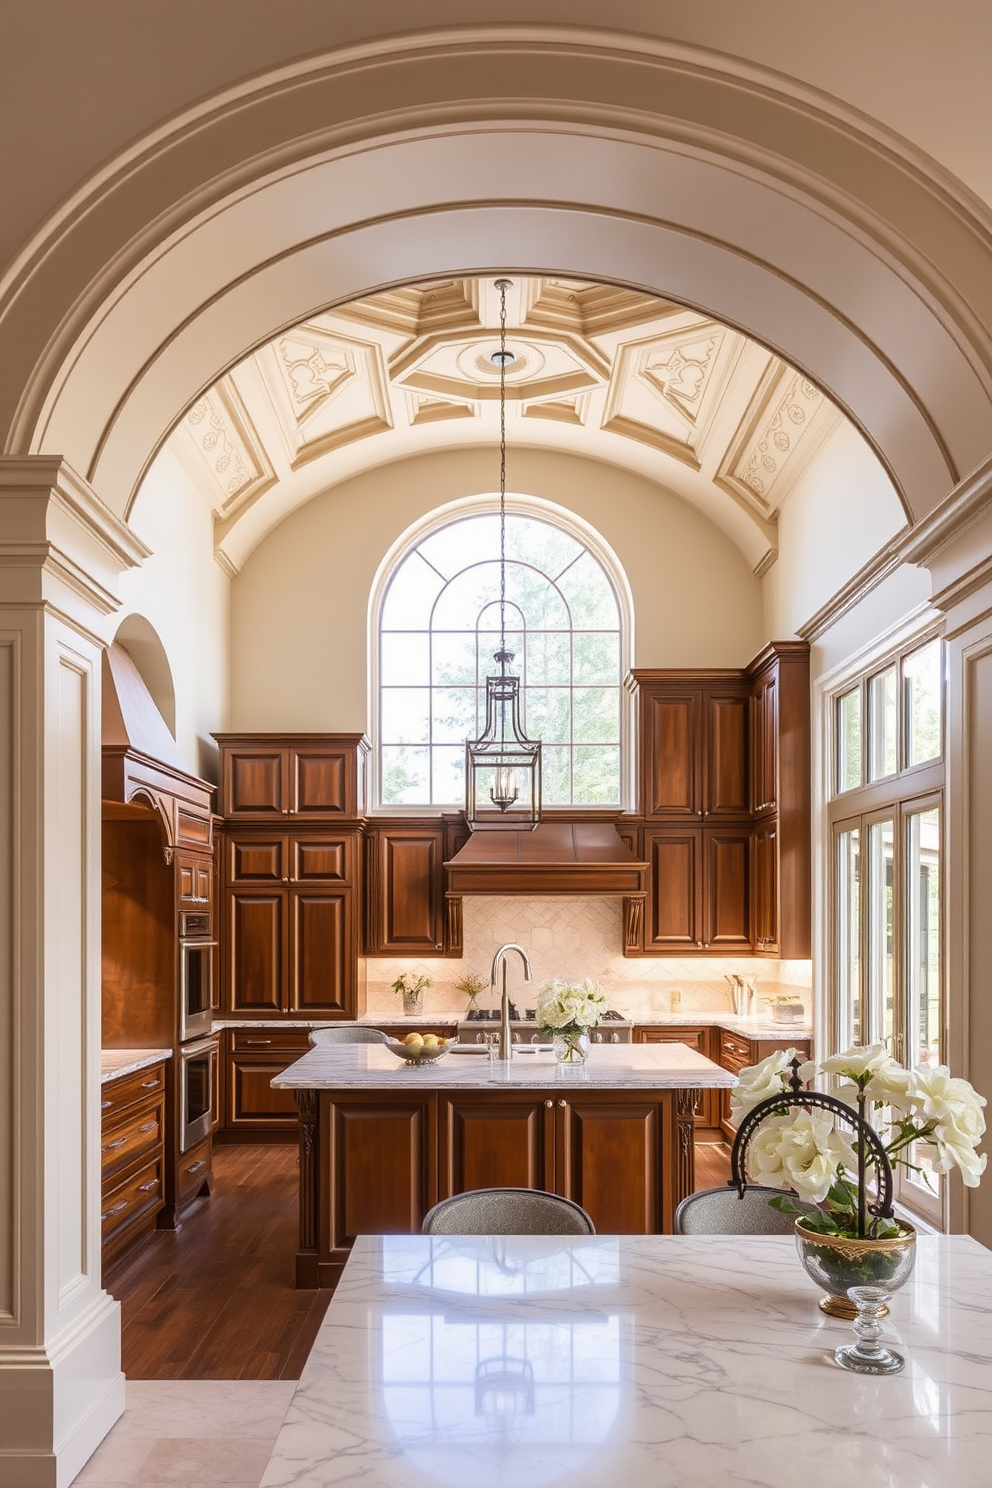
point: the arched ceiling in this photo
(609, 373)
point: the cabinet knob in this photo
(699, 944)
(563, 1103)
(549, 1104)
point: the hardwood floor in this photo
(215, 1299)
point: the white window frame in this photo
(541, 510)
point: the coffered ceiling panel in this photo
(597, 370)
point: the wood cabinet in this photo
(308, 777)
(699, 894)
(133, 1159)
(252, 1110)
(406, 912)
(625, 1156)
(706, 1103)
(735, 1052)
(694, 745)
(290, 929)
(781, 799)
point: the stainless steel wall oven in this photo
(197, 1090)
(196, 975)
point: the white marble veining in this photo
(117, 1062)
(646, 1362)
(609, 1067)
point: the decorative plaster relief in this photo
(219, 434)
(786, 422)
(328, 390)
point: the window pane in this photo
(589, 596)
(597, 775)
(474, 539)
(921, 697)
(411, 593)
(404, 775)
(464, 598)
(596, 657)
(452, 658)
(454, 714)
(849, 740)
(881, 983)
(404, 658)
(882, 734)
(547, 714)
(448, 776)
(923, 936)
(405, 716)
(536, 598)
(549, 660)
(539, 543)
(596, 715)
(849, 1018)
(556, 775)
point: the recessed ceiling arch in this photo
(192, 252)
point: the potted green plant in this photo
(472, 984)
(412, 989)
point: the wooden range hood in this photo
(565, 857)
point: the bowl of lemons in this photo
(419, 1048)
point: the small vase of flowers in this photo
(835, 1153)
(566, 1011)
(412, 989)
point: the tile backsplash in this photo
(573, 938)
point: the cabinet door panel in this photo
(260, 860)
(765, 891)
(321, 860)
(254, 783)
(382, 1179)
(256, 951)
(674, 898)
(411, 884)
(610, 1163)
(728, 884)
(487, 1143)
(728, 786)
(322, 961)
(320, 780)
(251, 1101)
(671, 744)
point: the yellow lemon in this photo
(431, 1040)
(414, 1040)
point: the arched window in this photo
(438, 628)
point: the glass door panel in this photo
(922, 1189)
(849, 1014)
(881, 944)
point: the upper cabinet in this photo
(304, 777)
(406, 912)
(694, 742)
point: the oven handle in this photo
(196, 942)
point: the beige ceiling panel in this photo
(220, 447)
(786, 423)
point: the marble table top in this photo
(634, 1362)
(609, 1067)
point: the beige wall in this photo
(299, 608)
(183, 593)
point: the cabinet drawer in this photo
(695, 1038)
(117, 1095)
(194, 1172)
(295, 1041)
(140, 1193)
(140, 1132)
(735, 1052)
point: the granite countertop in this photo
(117, 1062)
(757, 1028)
(609, 1067)
(640, 1360)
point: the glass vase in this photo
(413, 1002)
(837, 1263)
(571, 1048)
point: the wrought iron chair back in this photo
(868, 1145)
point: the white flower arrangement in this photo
(569, 1007)
(803, 1149)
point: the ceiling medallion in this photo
(502, 766)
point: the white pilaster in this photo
(61, 1387)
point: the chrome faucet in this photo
(504, 1018)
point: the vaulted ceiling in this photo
(604, 372)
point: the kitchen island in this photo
(381, 1141)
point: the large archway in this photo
(772, 209)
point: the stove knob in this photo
(614, 1038)
(597, 1038)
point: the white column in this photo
(61, 1387)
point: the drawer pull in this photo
(110, 1146)
(105, 1105)
(117, 1209)
(195, 1167)
(148, 1126)
(256, 1043)
(150, 1084)
(147, 1187)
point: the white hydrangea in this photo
(570, 1005)
(803, 1151)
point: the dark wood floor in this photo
(215, 1299)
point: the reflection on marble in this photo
(609, 1067)
(685, 1361)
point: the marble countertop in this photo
(117, 1062)
(688, 1362)
(757, 1028)
(609, 1067)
